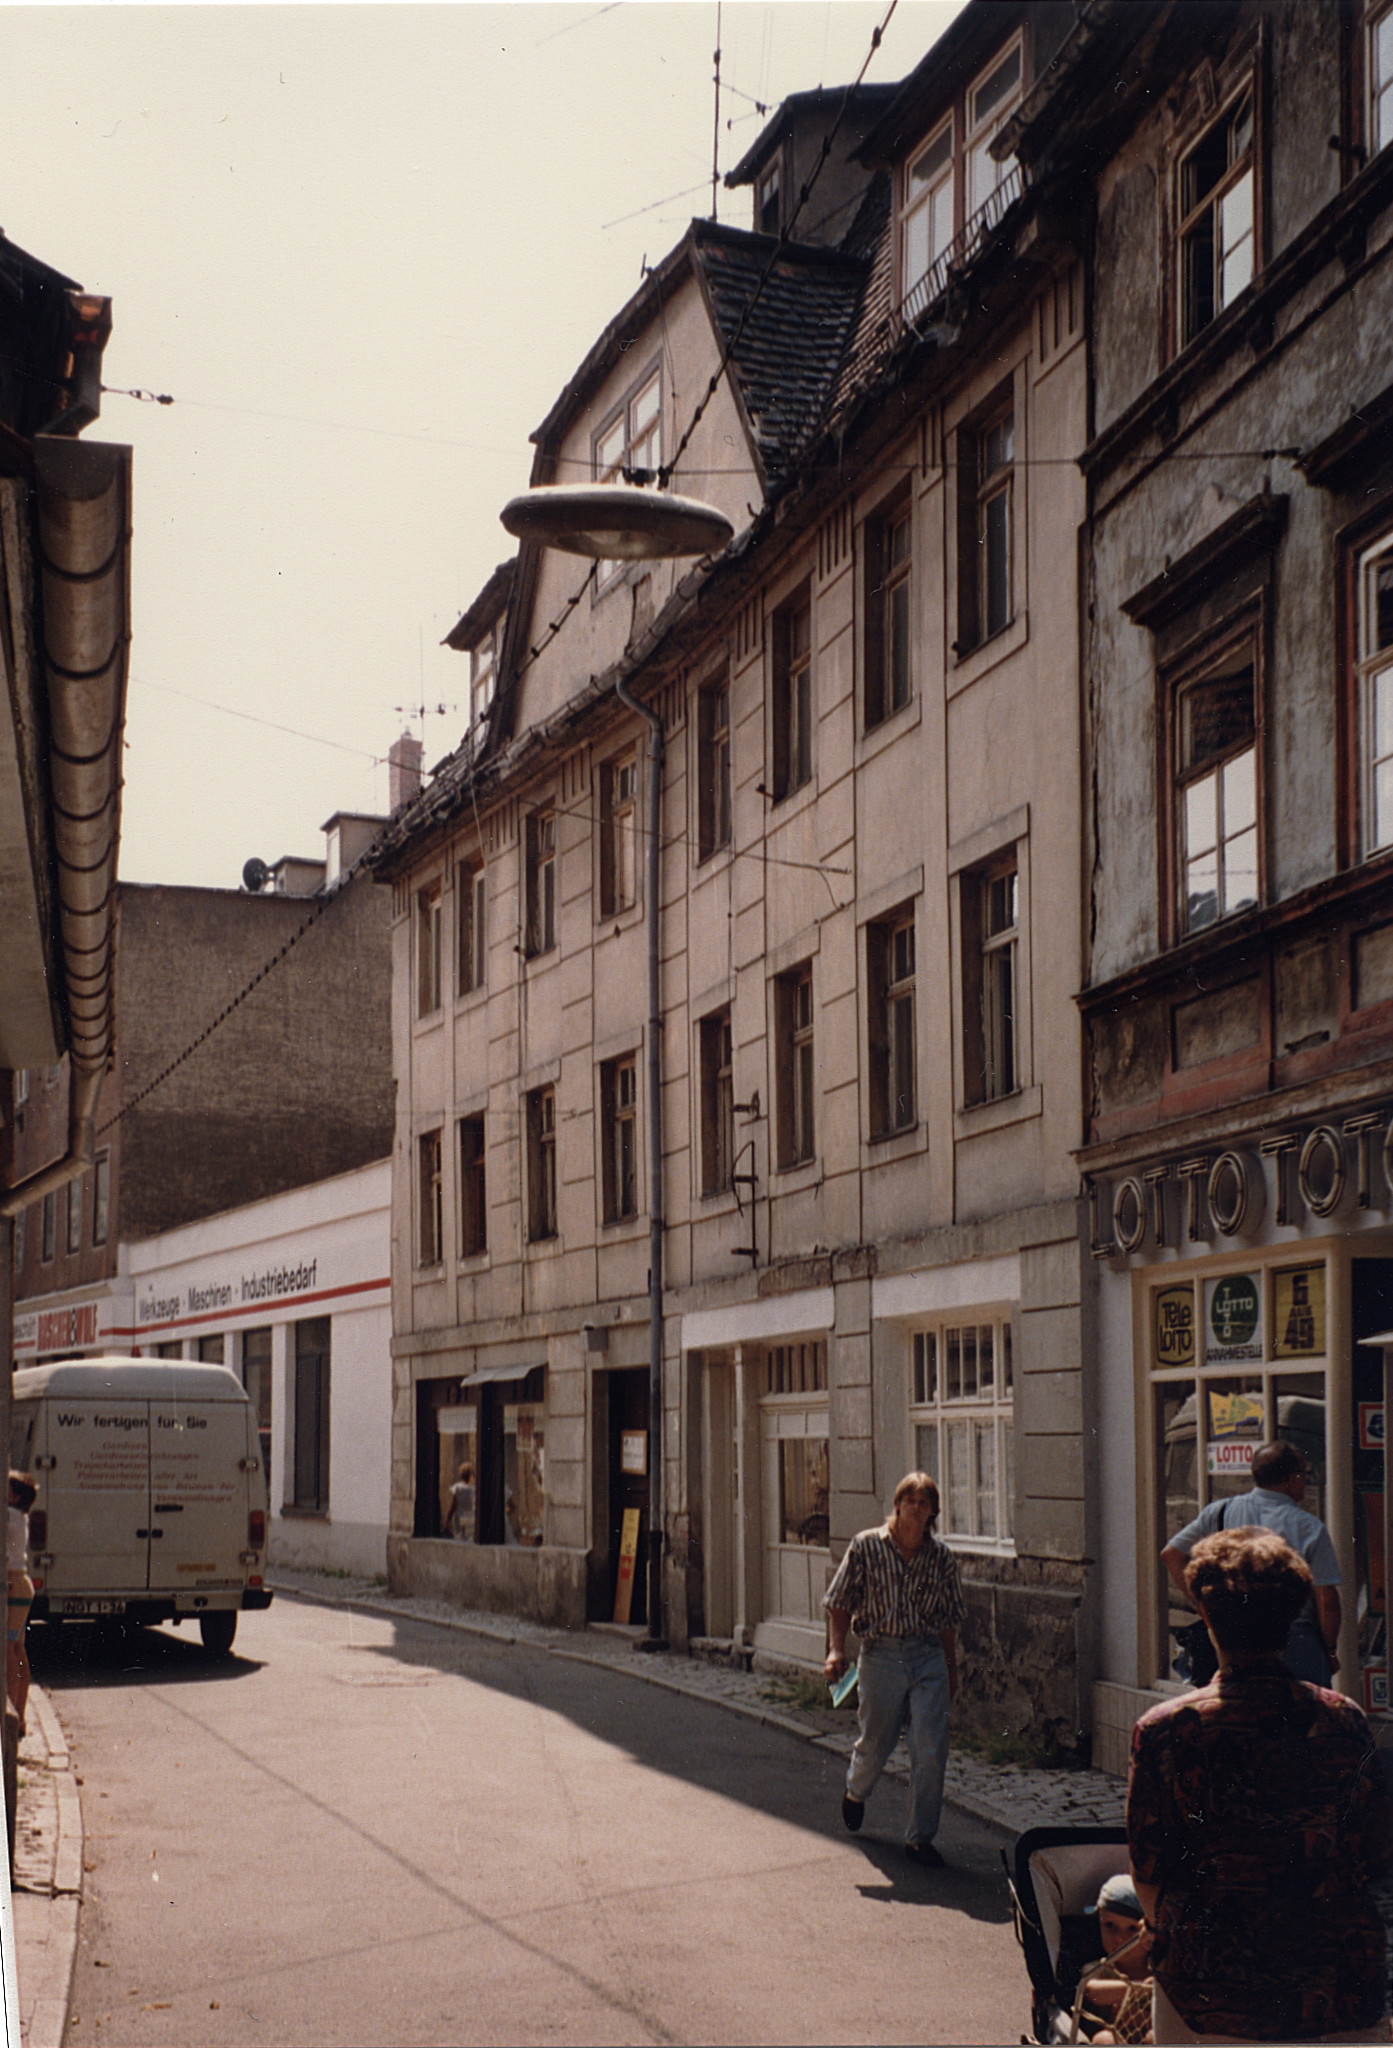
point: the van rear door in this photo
(97, 1495)
(198, 1495)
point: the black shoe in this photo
(925, 1855)
(853, 1812)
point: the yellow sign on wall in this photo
(628, 1551)
(1298, 1312)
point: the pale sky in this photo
(363, 248)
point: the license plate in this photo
(91, 1607)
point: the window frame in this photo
(1378, 15)
(48, 1243)
(430, 943)
(543, 1212)
(716, 1120)
(312, 1368)
(715, 790)
(1366, 553)
(793, 704)
(483, 679)
(618, 821)
(539, 882)
(619, 1139)
(914, 204)
(473, 1185)
(892, 1023)
(430, 1191)
(471, 926)
(72, 1235)
(986, 1076)
(887, 591)
(987, 544)
(637, 450)
(796, 1066)
(932, 1407)
(1187, 222)
(1206, 658)
(978, 135)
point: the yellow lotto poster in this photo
(1298, 1312)
(1236, 1414)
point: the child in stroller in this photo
(1062, 1878)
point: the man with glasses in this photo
(899, 1590)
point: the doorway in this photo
(628, 1481)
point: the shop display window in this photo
(1222, 1351)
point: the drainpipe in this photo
(655, 1638)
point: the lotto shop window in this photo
(1236, 1359)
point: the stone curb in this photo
(46, 1926)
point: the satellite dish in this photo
(255, 876)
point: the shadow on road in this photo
(716, 1751)
(92, 1653)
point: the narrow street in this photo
(360, 1830)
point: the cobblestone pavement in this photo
(1010, 1797)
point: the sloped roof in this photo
(786, 339)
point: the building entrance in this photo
(629, 1482)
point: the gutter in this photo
(82, 530)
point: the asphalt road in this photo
(358, 1831)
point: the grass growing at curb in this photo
(796, 1692)
(1005, 1746)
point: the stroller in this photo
(1056, 1878)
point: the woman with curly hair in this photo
(1256, 1814)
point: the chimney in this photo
(404, 771)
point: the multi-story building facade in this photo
(863, 721)
(252, 1061)
(1238, 994)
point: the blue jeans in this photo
(898, 1680)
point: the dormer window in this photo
(768, 220)
(926, 219)
(991, 100)
(630, 444)
(482, 673)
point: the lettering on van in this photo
(70, 1421)
(188, 1422)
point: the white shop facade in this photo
(294, 1294)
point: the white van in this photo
(151, 1502)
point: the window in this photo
(629, 446)
(432, 1200)
(793, 697)
(890, 985)
(926, 213)
(991, 967)
(793, 1002)
(541, 1164)
(713, 769)
(768, 218)
(960, 1413)
(474, 1235)
(473, 927)
(986, 479)
(887, 613)
(256, 1378)
(101, 1197)
(50, 1228)
(618, 834)
(717, 1104)
(211, 1350)
(482, 676)
(1380, 79)
(619, 1134)
(310, 1484)
(428, 950)
(481, 1460)
(541, 882)
(1217, 791)
(20, 1221)
(1375, 630)
(75, 1213)
(991, 100)
(1216, 243)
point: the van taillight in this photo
(256, 1530)
(38, 1528)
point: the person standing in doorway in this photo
(899, 1590)
(1280, 1477)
